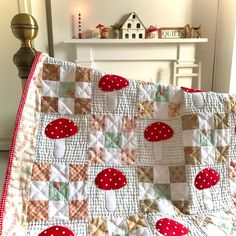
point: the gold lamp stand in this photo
(25, 28)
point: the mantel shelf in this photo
(135, 41)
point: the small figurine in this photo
(104, 31)
(152, 32)
(116, 30)
(192, 32)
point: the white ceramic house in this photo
(133, 28)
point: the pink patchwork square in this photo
(129, 156)
(78, 172)
(96, 155)
(129, 124)
(97, 123)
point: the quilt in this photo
(97, 154)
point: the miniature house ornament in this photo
(133, 28)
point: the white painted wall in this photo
(10, 85)
(159, 12)
(224, 47)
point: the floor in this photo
(3, 167)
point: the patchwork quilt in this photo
(97, 154)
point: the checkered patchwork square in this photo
(160, 183)
(62, 195)
(220, 193)
(66, 89)
(158, 101)
(113, 139)
(206, 138)
(127, 98)
(232, 149)
(126, 198)
(164, 152)
(75, 146)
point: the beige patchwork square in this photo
(181, 207)
(177, 174)
(96, 155)
(231, 104)
(190, 121)
(78, 172)
(49, 104)
(129, 156)
(148, 206)
(222, 154)
(192, 155)
(84, 74)
(145, 174)
(98, 123)
(37, 210)
(98, 227)
(41, 172)
(174, 109)
(78, 209)
(221, 120)
(82, 106)
(129, 124)
(146, 109)
(135, 222)
(51, 72)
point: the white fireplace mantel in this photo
(94, 52)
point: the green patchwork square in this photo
(58, 191)
(207, 137)
(67, 89)
(112, 140)
(162, 191)
(162, 94)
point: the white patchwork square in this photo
(178, 191)
(50, 88)
(58, 210)
(175, 95)
(146, 191)
(161, 110)
(77, 190)
(208, 155)
(38, 190)
(66, 106)
(59, 173)
(113, 123)
(129, 140)
(146, 92)
(83, 90)
(191, 138)
(96, 139)
(117, 226)
(161, 174)
(67, 73)
(112, 156)
(206, 121)
(222, 137)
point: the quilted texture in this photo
(160, 162)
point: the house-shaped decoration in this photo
(133, 27)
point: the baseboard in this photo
(5, 144)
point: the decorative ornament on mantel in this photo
(133, 28)
(192, 32)
(116, 30)
(104, 31)
(152, 32)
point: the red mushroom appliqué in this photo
(110, 179)
(198, 100)
(57, 231)
(204, 180)
(158, 132)
(60, 129)
(169, 227)
(111, 84)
